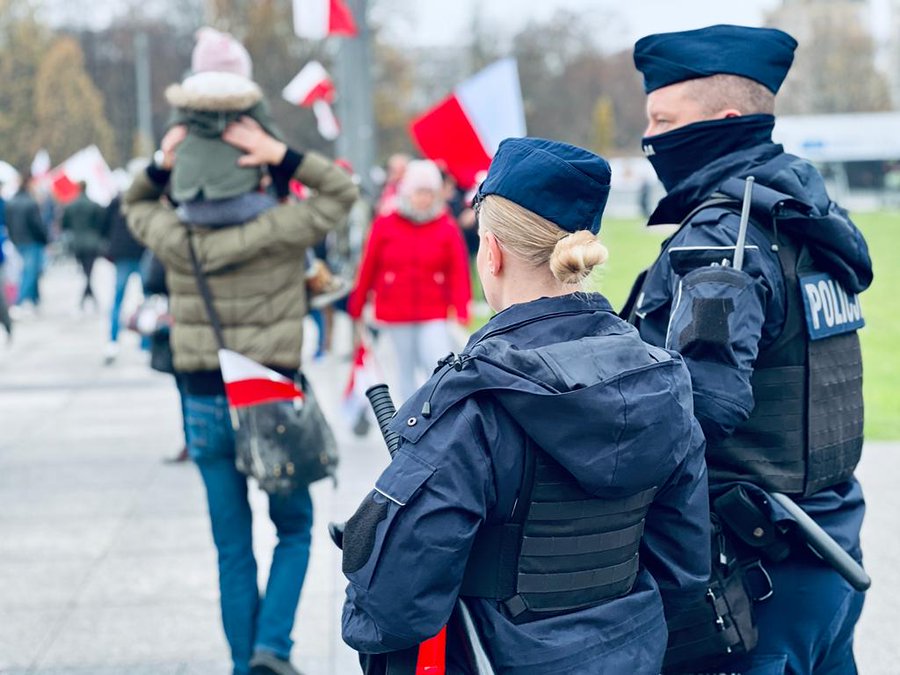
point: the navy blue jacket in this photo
(23, 220)
(614, 411)
(723, 396)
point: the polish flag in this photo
(86, 165)
(313, 88)
(465, 129)
(317, 19)
(40, 165)
(250, 383)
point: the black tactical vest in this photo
(562, 548)
(806, 429)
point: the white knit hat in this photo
(220, 53)
(420, 174)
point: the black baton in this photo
(823, 544)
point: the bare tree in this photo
(834, 67)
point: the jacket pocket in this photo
(369, 528)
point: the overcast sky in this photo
(435, 22)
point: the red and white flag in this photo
(313, 88)
(40, 165)
(465, 129)
(250, 383)
(85, 165)
(317, 19)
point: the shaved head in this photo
(721, 92)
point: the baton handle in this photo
(823, 544)
(380, 399)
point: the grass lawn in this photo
(632, 247)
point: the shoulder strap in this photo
(629, 309)
(205, 293)
(716, 200)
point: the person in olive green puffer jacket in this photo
(256, 273)
(255, 269)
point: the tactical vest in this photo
(805, 432)
(561, 550)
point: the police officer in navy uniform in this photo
(772, 348)
(551, 475)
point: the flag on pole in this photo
(317, 19)
(250, 383)
(40, 165)
(313, 88)
(465, 129)
(85, 165)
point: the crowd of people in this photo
(38, 228)
(576, 489)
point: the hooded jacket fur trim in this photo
(224, 92)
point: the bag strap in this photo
(205, 293)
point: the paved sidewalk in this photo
(106, 561)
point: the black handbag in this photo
(283, 444)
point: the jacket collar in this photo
(543, 308)
(695, 189)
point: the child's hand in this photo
(247, 135)
(170, 141)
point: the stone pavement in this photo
(106, 561)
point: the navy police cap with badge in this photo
(760, 54)
(563, 183)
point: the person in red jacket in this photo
(415, 265)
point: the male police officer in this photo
(772, 347)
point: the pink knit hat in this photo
(420, 174)
(221, 53)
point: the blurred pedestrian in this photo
(125, 252)
(415, 265)
(255, 272)
(29, 235)
(153, 279)
(396, 167)
(5, 319)
(84, 224)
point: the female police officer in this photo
(552, 474)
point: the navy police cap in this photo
(760, 54)
(563, 183)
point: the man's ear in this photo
(495, 254)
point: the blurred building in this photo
(858, 154)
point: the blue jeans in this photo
(124, 270)
(252, 624)
(806, 627)
(32, 266)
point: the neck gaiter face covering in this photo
(677, 154)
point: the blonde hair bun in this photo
(575, 256)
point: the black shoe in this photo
(265, 663)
